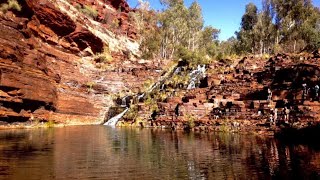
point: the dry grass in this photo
(11, 5)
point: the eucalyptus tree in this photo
(264, 29)
(208, 42)
(281, 25)
(296, 23)
(195, 25)
(246, 34)
(145, 21)
(174, 26)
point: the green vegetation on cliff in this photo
(11, 4)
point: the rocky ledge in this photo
(252, 94)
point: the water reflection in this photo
(25, 151)
(99, 152)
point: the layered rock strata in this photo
(235, 96)
(48, 62)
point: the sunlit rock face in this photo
(51, 17)
(47, 65)
(241, 94)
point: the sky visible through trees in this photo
(179, 31)
(224, 15)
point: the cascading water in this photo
(192, 85)
(162, 87)
(141, 96)
(178, 70)
(124, 101)
(196, 75)
(113, 121)
(153, 87)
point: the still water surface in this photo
(99, 152)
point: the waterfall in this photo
(162, 87)
(153, 87)
(124, 102)
(196, 75)
(113, 121)
(192, 85)
(141, 96)
(178, 70)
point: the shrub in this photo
(220, 56)
(88, 10)
(179, 79)
(277, 49)
(151, 102)
(50, 123)
(132, 114)
(147, 84)
(105, 56)
(224, 128)
(161, 96)
(12, 4)
(190, 120)
(139, 122)
(78, 6)
(115, 24)
(193, 58)
(150, 45)
(90, 85)
(4, 8)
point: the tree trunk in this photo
(193, 42)
(174, 38)
(261, 47)
(165, 43)
(189, 41)
(277, 37)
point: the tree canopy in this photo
(177, 30)
(281, 25)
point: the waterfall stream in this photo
(124, 102)
(196, 75)
(113, 121)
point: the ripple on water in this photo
(99, 152)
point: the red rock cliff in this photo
(47, 67)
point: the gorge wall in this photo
(49, 68)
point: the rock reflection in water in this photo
(108, 153)
(26, 154)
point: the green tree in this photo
(269, 28)
(173, 22)
(310, 29)
(246, 35)
(289, 26)
(296, 23)
(195, 24)
(209, 40)
(249, 19)
(264, 29)
(227, 48)
(149, 35)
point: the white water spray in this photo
(124, 101)
(195, 76)
(113, 121)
